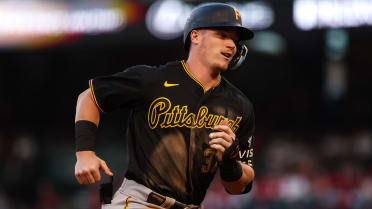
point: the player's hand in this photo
(87, 167)
(221, 138)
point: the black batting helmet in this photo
(213, 15)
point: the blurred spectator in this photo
(21, 171)
(363, 146)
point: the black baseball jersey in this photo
(171, 117)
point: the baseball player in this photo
(186, 120)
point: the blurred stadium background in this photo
(308, 73)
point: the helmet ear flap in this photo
(239, 57)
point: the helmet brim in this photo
(244, 33)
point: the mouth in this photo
(227, 55)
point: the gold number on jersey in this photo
(209, 155)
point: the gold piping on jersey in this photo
(191, 76)
(162, 114)
(93, 95)
(218, 82)
(196, 80)
(127, 202)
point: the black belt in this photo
(160, 200)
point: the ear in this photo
(194, 37)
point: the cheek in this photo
(208, 49)
(236, 49)
(214, 47)
(211, 48)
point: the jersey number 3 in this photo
(209, 165)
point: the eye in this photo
(235, 39)
(236, 42)
(222, 35)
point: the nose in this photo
(231, 45)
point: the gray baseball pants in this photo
(132, 195)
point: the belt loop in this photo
(168, 203)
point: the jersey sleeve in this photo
(246, 139)
(245, 136)
(123, 89)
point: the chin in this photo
(226, 67)
(223, 66)
(220, 65)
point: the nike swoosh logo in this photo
(166, 84)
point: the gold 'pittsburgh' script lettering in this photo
(162, 114)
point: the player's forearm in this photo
(86, 109)
(86, 122)
(237, 187)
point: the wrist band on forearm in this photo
(85, 135)
(230, 168)
(231, 171)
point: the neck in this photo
(203, 73)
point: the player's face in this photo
(218, 47)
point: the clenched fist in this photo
(87, 167)
(221, 138)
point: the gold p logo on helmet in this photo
(237, 15)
